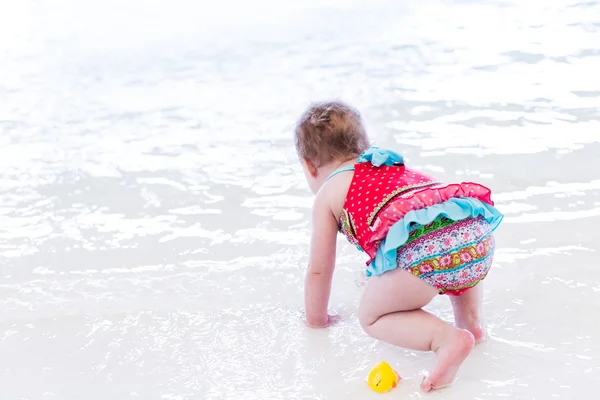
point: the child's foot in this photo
(449, 358)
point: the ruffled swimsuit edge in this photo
(456, 209)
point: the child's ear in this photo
(310, 167)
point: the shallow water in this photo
(154, 220)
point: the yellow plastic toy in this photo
(383, 378)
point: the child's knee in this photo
(364, 323)
(365, 318)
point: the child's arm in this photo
(320, 265)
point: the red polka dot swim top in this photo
(383, 190)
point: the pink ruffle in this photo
(420, 199)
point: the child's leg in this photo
(468, 311)
(390, 311)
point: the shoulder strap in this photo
(340, 170)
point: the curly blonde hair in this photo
(329, 131)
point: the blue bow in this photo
(379, 157)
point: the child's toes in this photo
(426, 385)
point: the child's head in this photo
(328, 133)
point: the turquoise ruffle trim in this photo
(379, 157)
(454, 209)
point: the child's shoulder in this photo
(333, 194)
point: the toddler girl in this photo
(423, 238)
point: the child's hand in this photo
(331, 320)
